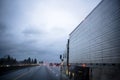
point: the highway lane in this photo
(42, 72)
(14, 74)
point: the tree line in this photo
(8, 60)
(29, 61)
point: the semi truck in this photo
(93, 48)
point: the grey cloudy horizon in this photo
(39, 28)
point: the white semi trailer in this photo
(93, 50)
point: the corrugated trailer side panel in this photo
(97, 38)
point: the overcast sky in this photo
(39, 28)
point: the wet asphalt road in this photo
(42, 72)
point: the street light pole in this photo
(68, 57)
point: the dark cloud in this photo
(3, 29)
(29, 47)
(1, 5)
(32, 31)
(3, 36)
(6, 40)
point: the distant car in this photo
(51, 64)
(58, 64)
